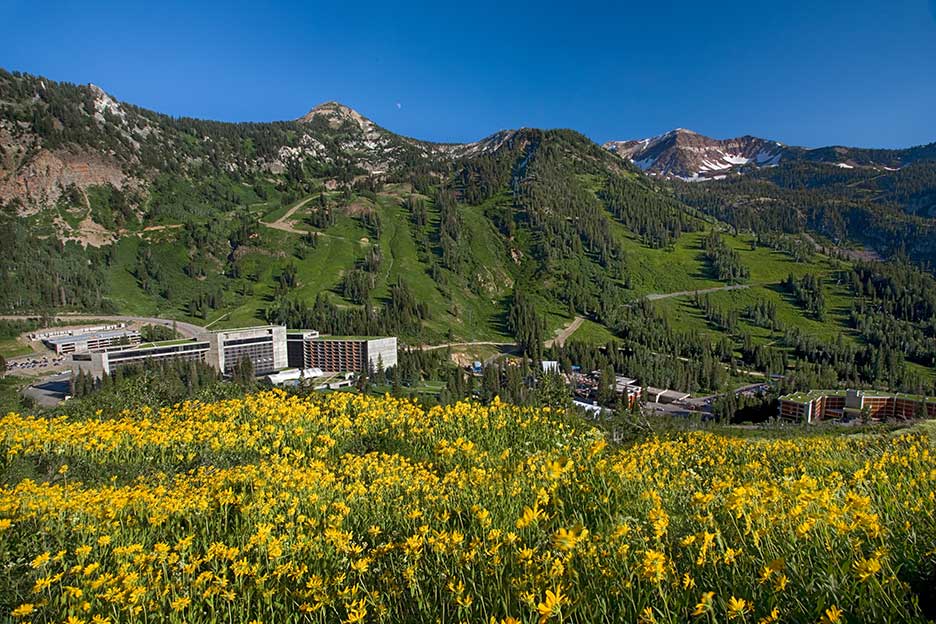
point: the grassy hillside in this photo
(336, 223)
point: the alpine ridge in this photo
(684, 154)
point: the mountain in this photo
(331, 221)
(688, 155)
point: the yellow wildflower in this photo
(866, 568)
(704, 605)
(552, 604)
(737, 607)
(832, 615)
(23, 610)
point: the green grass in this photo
(470, 306)
(474, 310)
(10, 398)
(592, 333)
(277, 213)
(124, 290)
(14, 348)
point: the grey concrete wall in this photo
(280, 358)
(382, 351)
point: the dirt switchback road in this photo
(284, 223)
(563, 334)
(702, 291)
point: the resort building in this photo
(264, 346)
(269, 348)
(341, 353)
(664, 395)
(106, 362)
(819, 405)
(90, 342)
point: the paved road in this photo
(49, 391)
(186, 329)
(683, 293)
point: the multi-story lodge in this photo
(105, 363)
(819, 405)
(340, 353)
(265, 347)
(268, 348)
(85, 342)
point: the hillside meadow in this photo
(349, 508)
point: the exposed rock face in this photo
(686, 154)
(689, 155)
(37, 176)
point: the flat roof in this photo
(166, 343)
(234, 330)
(675, 394)
(811, 395)
(102, 335)
(335, 338)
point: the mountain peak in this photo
(336, 114)
(683, 153)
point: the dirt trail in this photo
(283, 223)
(563, 334)
(480, 343)
(856, 255)
(702, 291)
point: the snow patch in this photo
(645, 163)
(765, 157)
(737, 160)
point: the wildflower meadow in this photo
(348, 508)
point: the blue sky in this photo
(814, 73)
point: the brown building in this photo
(306, 349)
(833, 404)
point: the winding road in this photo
(186, 329)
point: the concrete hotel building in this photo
(830, 404)
(105, 363)
(265, 347)
(269, 348)
(93, 341)
(340, 353)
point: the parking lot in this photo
(50, 391)
(34, 363)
